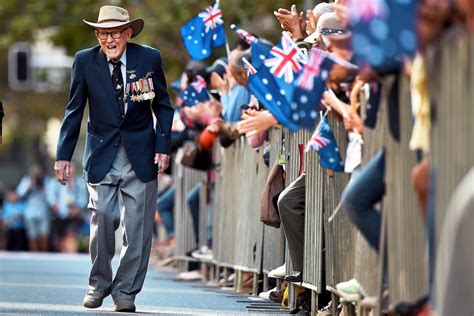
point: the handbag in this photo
(193, 156)
(275, 184)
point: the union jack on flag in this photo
(317, 141)
(312, 69)
(199, 84)
(243, 34)
(249, 69)
(285, 61)
(212, 16)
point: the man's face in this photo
(113, 41)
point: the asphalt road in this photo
(47, 283)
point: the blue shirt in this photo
(232, 101)
(13, 215)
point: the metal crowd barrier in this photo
(185, 179)
(451, 65)
(406, 244)
(336, 248)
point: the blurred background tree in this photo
(27, 113)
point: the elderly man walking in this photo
(123, 84)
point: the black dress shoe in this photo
(297, 278)
(94, 299)
(124, 306)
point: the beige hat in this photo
(112, 16)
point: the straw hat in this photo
(112, 16)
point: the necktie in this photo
(117, 82)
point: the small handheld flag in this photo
(204, 32)
(324, 143)
(195, 93)
(249, 69)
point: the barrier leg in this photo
(334, 304)
(204, 272)
(255, 285)
(238, 281)
(278, 284)
(292, 296)
(265, 283)
(314, 303)
(226, 275)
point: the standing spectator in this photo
(13, 219)
(67, 205)
(31, 189)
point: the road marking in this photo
(141, 308)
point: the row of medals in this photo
(141, 90)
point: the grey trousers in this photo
(121, 189)
(291, 205)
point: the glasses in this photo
(115, 34)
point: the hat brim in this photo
(136, 25)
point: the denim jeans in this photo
(193, 202)
(365, 189)
(165, 207)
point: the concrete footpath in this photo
(45, 283)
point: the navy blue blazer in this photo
(91, 81)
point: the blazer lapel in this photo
(105, 80)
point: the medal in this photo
(150, 84)
(144, 89)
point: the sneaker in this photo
(279, 272)
(266, 295)
(294, 278)
(189, 276)
(351, 290)
(203, 253)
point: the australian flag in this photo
(195, 93)
(204, 32)
(265, 87)
(383, 32)
(324, 143)
(309, 88)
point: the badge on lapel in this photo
(142, 89)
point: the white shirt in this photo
(123, 68)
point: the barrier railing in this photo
(334, 247)
(186, 179)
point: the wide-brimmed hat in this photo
(111, 17)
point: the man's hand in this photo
(62, 171)
(292, 21)
(163, 162)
